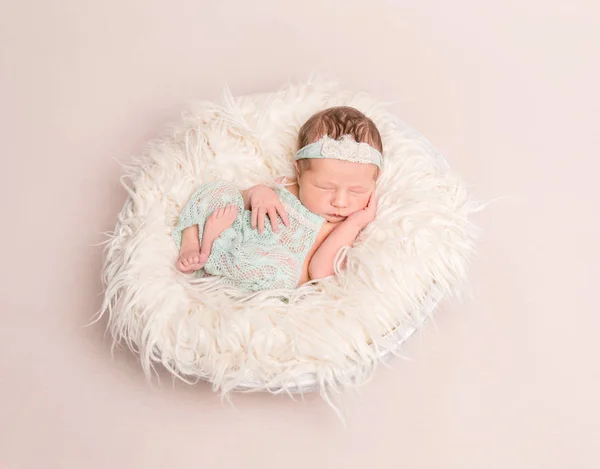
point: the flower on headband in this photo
(346, 149)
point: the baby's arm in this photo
(321, 264)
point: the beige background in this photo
(508, 91)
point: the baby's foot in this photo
(190, 259)
(216, 223)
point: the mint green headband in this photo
(346, 149)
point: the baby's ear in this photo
(296, 167)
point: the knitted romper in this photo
(249, 260)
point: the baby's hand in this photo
(264, 201)
(365, 216)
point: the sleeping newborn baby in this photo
(222, 231)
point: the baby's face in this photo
(335, 189)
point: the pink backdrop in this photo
(506, 90)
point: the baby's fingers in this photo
(373, 202)
(261, 220)
(253, 218)
(273, 218)
(282, 214)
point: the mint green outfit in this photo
(249, 260)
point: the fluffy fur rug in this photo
(332, 333)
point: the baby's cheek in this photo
(364, 200)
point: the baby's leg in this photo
(190, 233)
(216, 223)
(190, 258)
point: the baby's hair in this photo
(335, 122)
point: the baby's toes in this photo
(202, 259)
(181, 266)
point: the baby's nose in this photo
(340, 200)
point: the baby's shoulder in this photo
(290, 185)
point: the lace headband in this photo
(346, 149)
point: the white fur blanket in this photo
(421, 240)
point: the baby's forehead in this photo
(343, 171)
